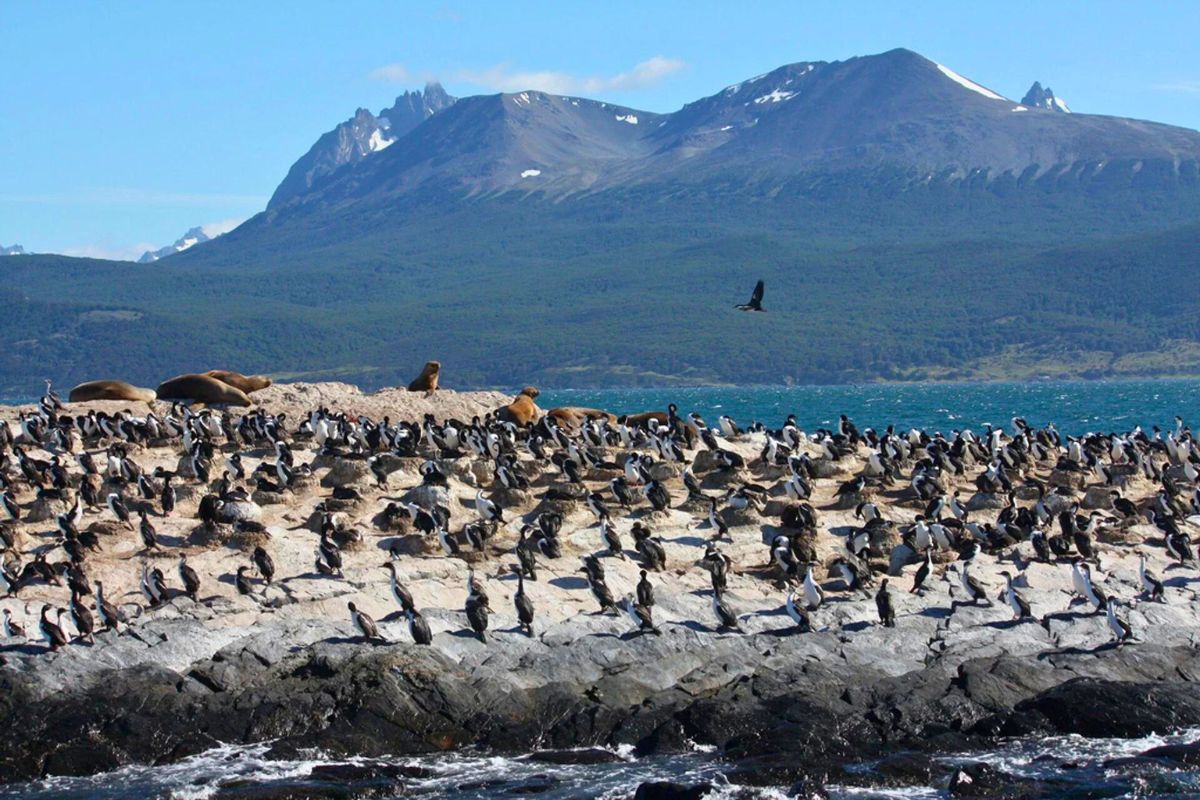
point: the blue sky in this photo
(122, 124)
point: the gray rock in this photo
(347, 472)
(240, 510)
(983, 501)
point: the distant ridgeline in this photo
(908, 224)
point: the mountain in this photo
(13, 250)
(909, 223)
(193, 237)
(1043, 98)
(358, 137)
(892, 113)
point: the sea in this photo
(1075, 766)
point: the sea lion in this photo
(643, 419)
(572, 417)
(202, 389)
(247, 383)
(109, 390)
(522, 410)
(427, 381)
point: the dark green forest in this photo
(946, 282)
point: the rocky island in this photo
(789, 691)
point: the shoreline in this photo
(778, 704)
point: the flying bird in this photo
(755, 303)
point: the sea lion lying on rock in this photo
(572, 417)
(522, 410)
(202, 389)
(110, 390)
(427, 381)
(247, 383)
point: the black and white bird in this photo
(418, 628)
(883, 603)
(1014, 599)
(1120, 628)
(725, 616)
(1152, 587)
(366, 626)
(756, 298)
(641, 614)
(523, 605)
(191, 580)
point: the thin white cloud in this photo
(214, 229)
(110, 252)
(1184, 87)
(503, 78)
(117, 195)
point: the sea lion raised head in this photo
(202, 389)
(109, 390)
(522, 410)
(427, 381)
(247, 383)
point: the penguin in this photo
(883, 602)
(418, 628)
(523, 605)
(366, 626)
(641, 614)
(725, 616)
(191, 581)
(1152, 587)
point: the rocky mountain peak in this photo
(1044, 98)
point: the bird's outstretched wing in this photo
(756, 298)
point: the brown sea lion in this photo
(202, 389)
(641, 420)
(522, 410)
(572, 417)
(427, 381)
(247, 383)
(109, 390)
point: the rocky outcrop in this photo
(779, 704)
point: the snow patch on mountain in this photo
(968, 84)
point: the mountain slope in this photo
(358, 137)
(897, 113)
(907, 222)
